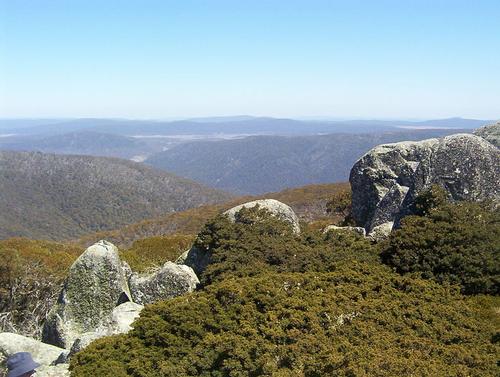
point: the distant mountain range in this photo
(260, 164)
(47, 196)
(222, 125)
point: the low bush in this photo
(454, 243)
(360, 320)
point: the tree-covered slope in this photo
(259, 164)
(47, 196)
(308, 202)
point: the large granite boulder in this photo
(491, 133)
(275, 207)
(171, 280)
(95, 285)
(386, 180)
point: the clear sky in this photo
(183, 58)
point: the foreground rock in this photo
(275, 207)
(386, 180)
(490, 133)
(45, 354)
(96, 284)
(169, 281)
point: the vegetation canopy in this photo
(454, 243)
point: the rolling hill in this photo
(255, 165)
(46, 196)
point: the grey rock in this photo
(95, 285)
(122, 317)
(491, 133)
(381, 231)
(356, 229)
(45, 354)
(386, 180)
(171, 280)
(60, 370)
(275, 207)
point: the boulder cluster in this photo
(101, 296)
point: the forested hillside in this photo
(45, 196)
(309, 202)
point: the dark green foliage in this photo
(454, 243)
(259, 242)
(361, 320)
(429, 199)
(341, 204)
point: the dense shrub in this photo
(453, 243)
(259, 242)
(31, 274)
(361, 320)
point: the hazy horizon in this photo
(165, 60)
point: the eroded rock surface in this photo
(386, 180)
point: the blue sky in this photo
(162, 59)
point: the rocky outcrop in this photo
(169, 281)
(490, 133)
(275, 207)
(386, 180)
(96, 284)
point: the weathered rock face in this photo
(275, 207)
(96, 284)
(169, 281)
(490, 133)
(386, 180)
